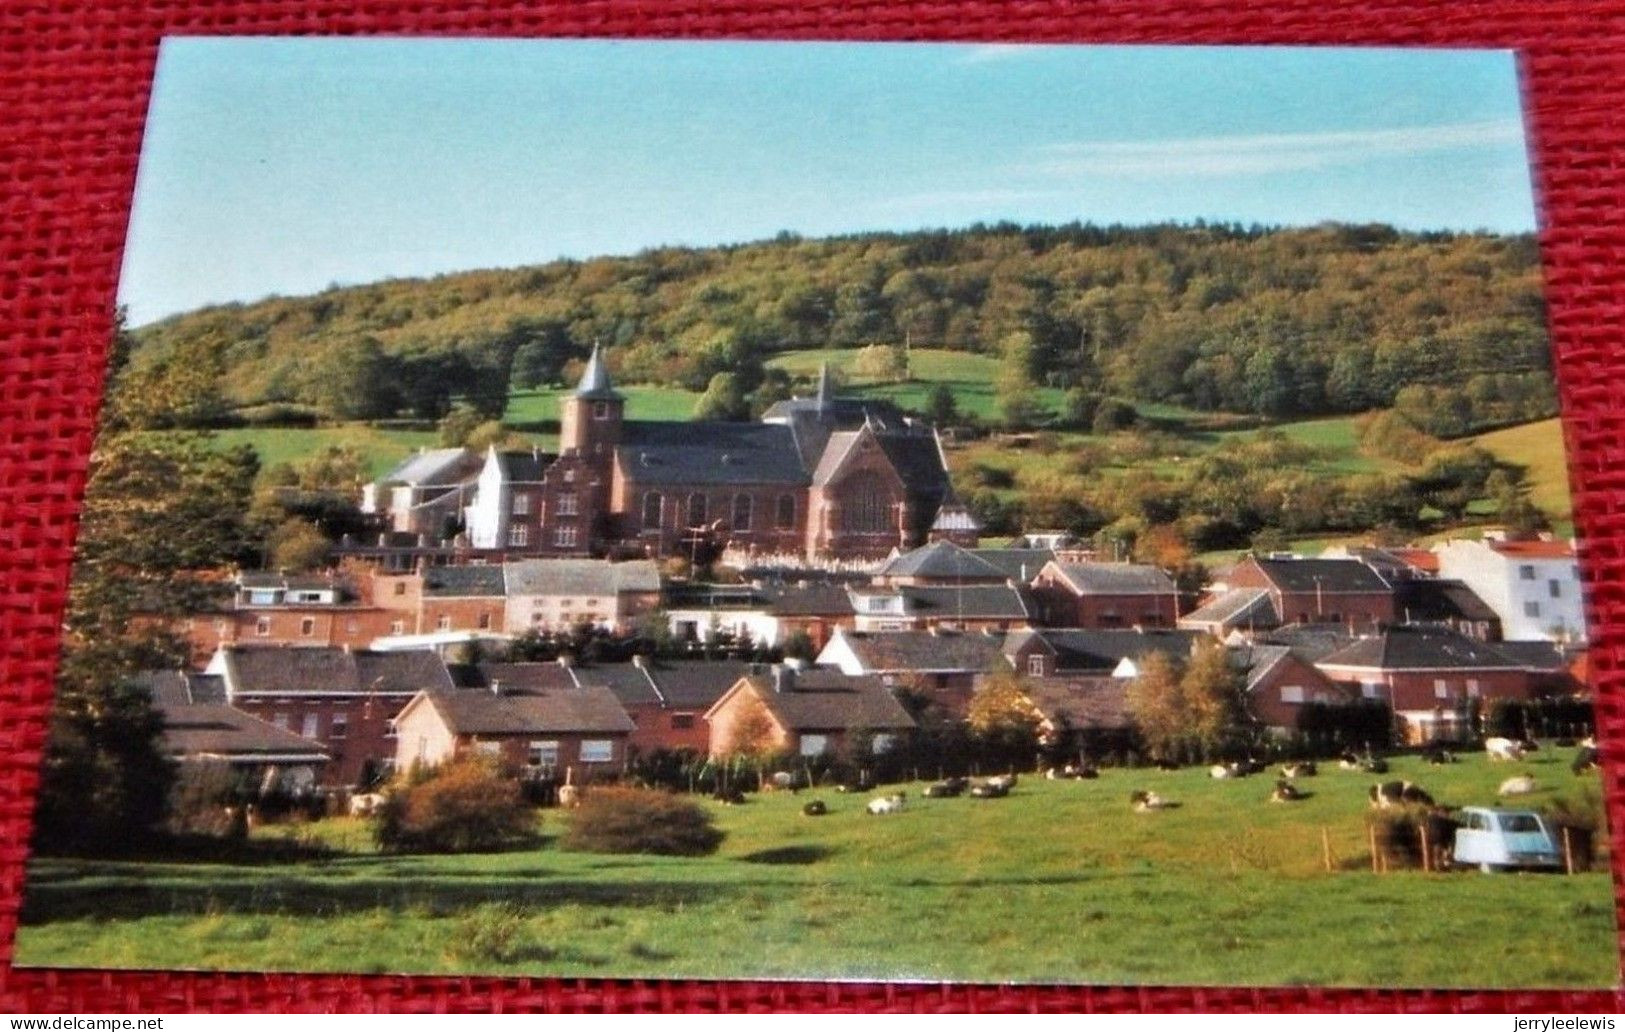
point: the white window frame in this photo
(813, 745)
(518, 536)
(1292, 693)
(597, 750)
(542, 753)
(1441, 688)
(339, 726)
(521, 504)
(569, 504)
(564, 537)
(311, 726)
(1035, 666)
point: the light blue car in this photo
(1504, 840)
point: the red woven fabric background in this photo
(74, 79)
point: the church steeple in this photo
(595, 382)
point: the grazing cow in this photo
(1586, 759)
(815, 808)
(1085, 771)
(1503, 749)
(1144, 802)
(1167, 765)
(1374, 765)
(946, 789)
(1225, 770)
(365, 804)
(727, 797)
(1348, 761)
(1250, 766)
(1285, 792)
(1529, 745)
(1303, 769)
(1438, 756)
(992, 788)
(1003, 783)
(1441, 837)
(1523, 784)
(893, 803)
(1390, 794)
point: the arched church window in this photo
(866, 505)
(786, 517)
(651, 510)
(696, 509)
(742, 507)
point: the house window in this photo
(308, 596)
(1371, 689)
(696, 509)
(282, 720)
(786, 515)
(565, 537)
(1474, 690)
(742, 506)
(340, 725)
(1531, 609)
(814, 745)
(1291, 693)
(543, 754)
(307, 626)
(882, 743)
(1441, 689)
(600, 410)
(518, 535)
(569, 476)
(1554, 587)
(521, 505)
(262, 627)
(682, 721)
(400, 587)
(485, 621)
(1035, 666)
(311, 727)
(597, 750)
(350, 626)
(567, 504)
(651, 510)
(397, 627)
(488, 748)
(1526, 572)
(443, 623)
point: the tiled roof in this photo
(1101, 650)
(296, 582)
(1422, 601)
(181, 687)
(1533, 549)
(1338, 575)
(208, 730)
(942, 560)
(523, 467)
(580, 577)
(437, 466)
(282, 670)
(968, 601)
(919, 651)
(827, 700)
(1237, 607)
(709, 453)
(1017, 564)
(1310, 642)
(808, 599)
(1080, 702)
(1419, 648)
(584, 710)
(1534, 655)
(917, 458)
(595, 383)
(1116, 579)
(463, 582)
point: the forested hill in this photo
(1279, 322)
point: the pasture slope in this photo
(1061, 882)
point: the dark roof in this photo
(297, 582)
(595, 383)
(523, 467)
(886, 651)
(917, 458)
(438, 466)
(971, 601)
(514, 678)
(1534, 655)
(584, 710)
(463, 582)
(1239, 606)
(1103, 649)
(1322, 574)
(1425, 601)
(1258, 660)
(181, 687)
(282, 670)
(1080, 702)
(580, 577)
(1310, 642)
(942, 560)
(201, 731)
(828, 700)
(1018, 564)
(807, 599)
(1116, 579)
(1419, 648)
(710, 453)
(838, 413)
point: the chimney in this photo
(784, 678)
(496, 686)
(383, 540)
(347, 648)
(423, 541)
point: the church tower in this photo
(590, 420)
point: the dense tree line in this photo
(1278, 322)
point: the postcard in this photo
(1047, 514)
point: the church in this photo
(816, 478)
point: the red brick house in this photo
(940, 668)
(342, 699)
(1105, 595)
(666, 701)
(1279, 683)
(199, 727)
(571, 732)
(312, 611)
(806, 713)
(1331, 591)
(1104, 652)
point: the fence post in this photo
(1371, 836)
(1568, 852)
(1427, 855)
(1326, 847)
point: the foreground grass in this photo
(1059, 883)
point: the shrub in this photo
(640, 820)
(464, 806)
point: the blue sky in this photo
(281, 166)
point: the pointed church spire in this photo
(825, 391)
(595, 382)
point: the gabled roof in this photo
(282, 670)
(1238, 607)
(1534, 655)
(1310, 642)
(514, 678)
(584, 710)
(1259, 660)
(1533, 549)
(969, 601)
(1080, 702)
(1420, 648)
(580, 577)
(817, 599)
(1103, 649)
(1423, 601)
(595, 383)
(691, 685)
(917, 457)
(463, 582)
(523, 467)
(201, 731)
(1115, 579)
(1017, 564)
(1336, 575)
(438, 466)
(817, 700)
(709, 453)
(923, 651)
(258, 579)
(181, 687)
(941, 560)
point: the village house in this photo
(1532, 586)
(938, 668)
(1105, 595)
(1101, 652)
(562, 594)
(1278, 683)
(1432, 677)
(1259, 593)
(310, 610)
(807, 713)
(342, 699)
(958, 607)
(1082, 715)
(946, 563)
(200, 727)
(425, 494)
(666, 701)
(1446, 603)
(539, 725)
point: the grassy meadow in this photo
(1061, 882)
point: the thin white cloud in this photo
(988, 52)
(962, 198)
(1266, 153)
